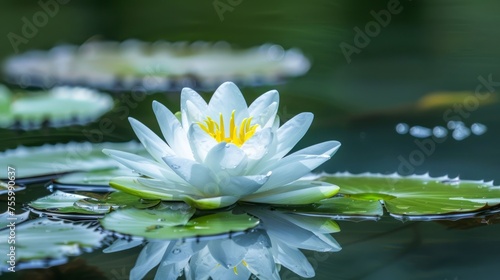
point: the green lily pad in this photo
(59, 240)
(415, 195)
(97, 180)
(49, 160)
(57, 107)
(175, 223)
(69, 203)
(61, 202)
(341, 208)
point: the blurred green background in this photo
(427, 46)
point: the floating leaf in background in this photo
(57, 107)
(60, 239)
(68, 203)
(175, 223)
(155, 67)
(417, 196)
(47, 161)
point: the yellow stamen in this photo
(236, 136)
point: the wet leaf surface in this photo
(417, 195)
(175, 223)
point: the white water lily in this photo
(225, 151)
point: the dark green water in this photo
(429, 46)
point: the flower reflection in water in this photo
(260, 251)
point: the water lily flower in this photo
(222, 152)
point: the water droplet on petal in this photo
(176, 251)
(175, 166)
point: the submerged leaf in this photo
(415, 195)
(175, 223)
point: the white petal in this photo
(139, 164)
(264, 108)
(299, 192)
(121, 245)
(226, 159)
(201, 143)
(293, 259)
(182, 251)
(267, 117)
(291, 132)
(193, 115)
(153, 144)
(210, 202)
(298, 164)
(201, 265)
(316, 224)
(262, 102)
(149, 257)
(169, 187)
(244, 185)
(240, 273)
(227, 252)
(170, 271)
(289, 233)
(197, 102)
(172, 130)
(132, 186)
(257, 146)
(227, 98)
(260, 262)
(195, 174)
